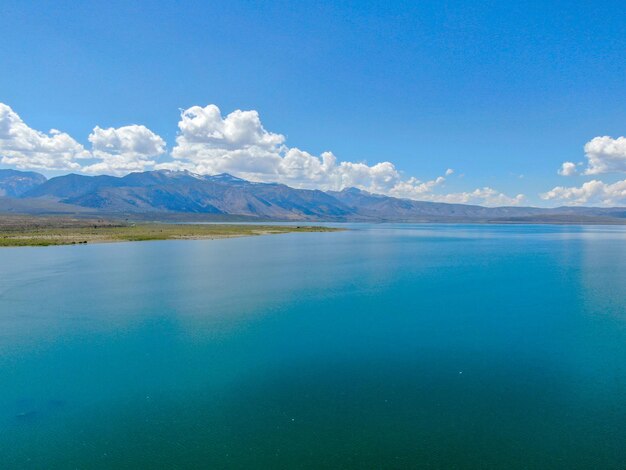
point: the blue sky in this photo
(501, 92)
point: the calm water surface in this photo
(389, 346)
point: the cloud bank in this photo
(209, 143)
(114, 151)
(26, 148)
(239, 144)
(593, 192)
(124, 150)
(604, 155)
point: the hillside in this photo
(178, 194)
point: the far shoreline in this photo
(21, 231)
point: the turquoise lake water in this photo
(387, 346)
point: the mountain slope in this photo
(14, 183)
(184, 192)
(381, 207)
(171, 193)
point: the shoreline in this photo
(35, 231)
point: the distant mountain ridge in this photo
(185, 192)
(177, 193)
(14, 183)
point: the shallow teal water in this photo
(388, 346)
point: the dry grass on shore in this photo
(44, 231)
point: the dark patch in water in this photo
(28, 416)
(30, 411)
(24, 403)
(56, 404)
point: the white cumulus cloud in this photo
(209, 143)
(592, 192)
(482, 196)
(26, 148)
(124, 149)
(605, 155)
(567, 169)
(239, 144)
(114, 151)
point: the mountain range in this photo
(164, 194)
(14, 183)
